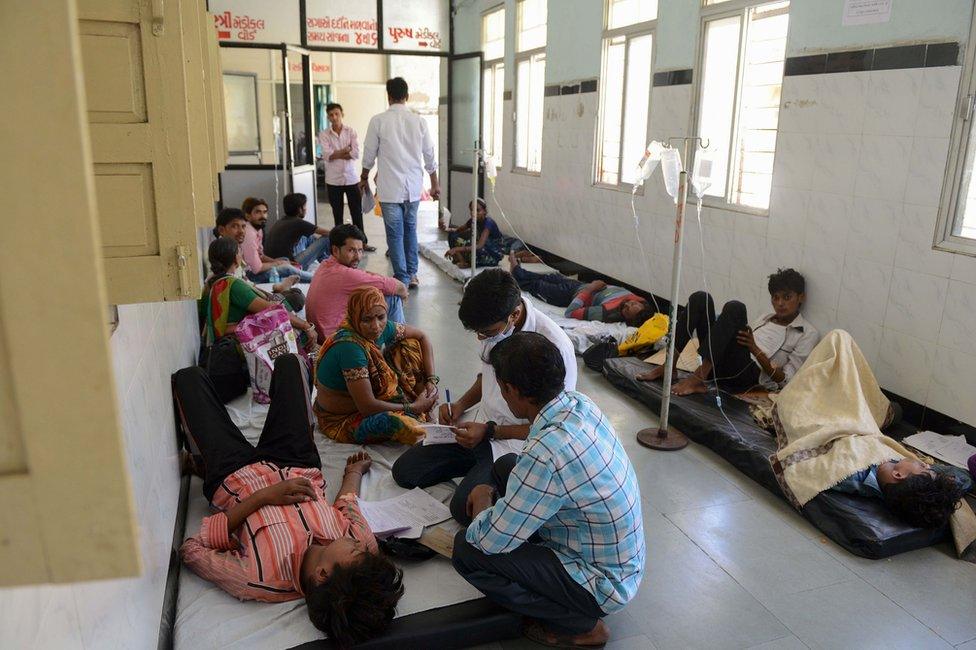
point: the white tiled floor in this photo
(729, 564)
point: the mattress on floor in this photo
(434, 251)
(863, 526)
(207, 617)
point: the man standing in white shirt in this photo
(401, 141)
(493, 308)
(340, 151)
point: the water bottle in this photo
(274, 278)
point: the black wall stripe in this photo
(673, 77)
(586, 86)
(882, 58)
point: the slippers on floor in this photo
(535, 631)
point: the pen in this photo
(447, 394)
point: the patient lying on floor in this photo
(828, 424)
(492, 244)
(739, 356)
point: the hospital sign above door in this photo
(341, 23)
(257, 21)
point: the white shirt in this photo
(493, 406)
(787, 346)
(405, 149)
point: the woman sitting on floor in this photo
(375, 378)
(492, 244)
(828, 423)
(230, 299)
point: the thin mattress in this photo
(207, 617)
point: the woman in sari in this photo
(375, 378)
(228, 299)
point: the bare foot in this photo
(595, 638)
(528, 258)
(651, 375)
(689, 385)
(513, 261)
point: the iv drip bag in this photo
(647, 165)
(671, 168)
(701, 178)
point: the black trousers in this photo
(553, 288)
(422, 467)
(733, 366)
(355, 200)
(529, 580)
(286, 439)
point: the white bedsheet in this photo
(207, 617)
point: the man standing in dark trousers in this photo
(340, 150)
(558, 535)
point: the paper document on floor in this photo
(438, 434)
(950, 449)
(413, 509)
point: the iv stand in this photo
(473, 207)
(665, 438)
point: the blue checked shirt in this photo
(575, 487)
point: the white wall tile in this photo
(963, 268)
(915, 236)
(959, 319)
(844, 97)
(802, 110)
(905, 364)
(835, 167)
(793, 165)
(891, 106)
(954, 383)
(828, 220)
(873, 231)
(915, 304)
(883, 167)
(926, 171)
(937, 101)
(864, 290)
(788, 209)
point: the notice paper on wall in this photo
(953, 450)
(404, 514)
(438, 434)
(866, 12)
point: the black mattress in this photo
(474, 622)
(862, 525)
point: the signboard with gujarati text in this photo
(257, 21)
(341, 23)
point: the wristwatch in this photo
(490, 429)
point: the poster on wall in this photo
(866, 12)
(257, 21)
(341, 23)
(418, 25)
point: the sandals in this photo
(535, 631)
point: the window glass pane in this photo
(638, 97)
(762, 79)
(611, 117)
(487, 89)
(493, 35)
(498, 112)
(536, 112)
(718, 95)
(522, 112)
(621, 13)
(532, 16)
(965, 222)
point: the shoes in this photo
(372, 249)
(414, 283)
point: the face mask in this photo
(498, 338)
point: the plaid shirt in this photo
(575, 487)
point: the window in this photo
(530, 84)
(493, 97)
(743, 54)
(957, 213)
(628, 46)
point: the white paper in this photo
(413, 509)
(866, 12)
(438, 434)
(949, 449)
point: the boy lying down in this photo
(828, 423)
(274, 537)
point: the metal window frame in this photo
(709, 13)
(518, 29)
(485, 14)
(519, 58)
(629, 32)
(492, 64)
(952, 200)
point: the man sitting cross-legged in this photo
(741, 357)
(564, 543)
(492, 307)
(275, 538)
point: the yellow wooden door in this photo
(143, 108)
(65, 504)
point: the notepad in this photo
(438, 434)
(404, 514)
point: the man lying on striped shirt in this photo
(274, 537)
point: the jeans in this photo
(734, 368)
(400, 220)
(286, 439)
(283, 272)
(528, 580)
(394, 309)
(422, 467)
(353, 197)
(316, 251)
(553, 288)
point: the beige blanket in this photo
(828, 424)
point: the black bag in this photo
(225, 365)
(596, 354)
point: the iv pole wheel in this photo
(669, 439)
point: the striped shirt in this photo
(262, 560)
(575, 487)
(603, 305)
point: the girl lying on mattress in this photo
(828, 423)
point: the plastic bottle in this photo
(274, 278)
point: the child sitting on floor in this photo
(765, 355)
(492, 244)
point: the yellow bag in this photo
(647, 334)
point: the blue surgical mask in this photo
(501, 336)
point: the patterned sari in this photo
(396, 375)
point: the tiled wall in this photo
(859, 167)
(152, 341)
